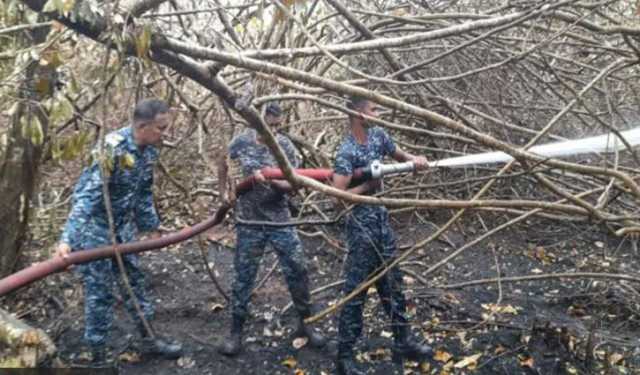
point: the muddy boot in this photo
(348, 366)
(158, 346)
(233, 344)
(398, 363)
(410, 348)
(316, 340)
(100, 358)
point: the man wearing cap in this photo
(267, 201)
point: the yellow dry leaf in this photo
(615, 358)
(447, 369)
(499, 349)
(528, 362)
(290, 362)
(299, 342)
(442, 356)
(298, 372)
(468, 362)
(129, 357)
(386, 334)
(500, 309)
(186, 362)
(379, 354)
(425, 367)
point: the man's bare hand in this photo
(373, 185)
(420, 162)
(259, 177)
(63, 250)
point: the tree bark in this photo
(27, 346)
(20, 162)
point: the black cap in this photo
(273, 109)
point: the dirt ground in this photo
(551, 326)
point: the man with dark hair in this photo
(370, 240)
(265, 202)
(126, 161)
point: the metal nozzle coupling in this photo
(378, 169)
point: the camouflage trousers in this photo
(371, 244)
(250, 245)
(100, 277)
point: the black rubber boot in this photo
(348, 366)
(233, 344)
(316, 340)
(158, 346)
(162, 347)
(407, 347)
(100, 358)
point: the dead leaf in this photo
(500, 309)
(298, 372)
(615, 358)
(216, 307)
(290, 362)
(379, 354)
(425, 367)
(469, 362)
(129, 357)
(526, 362)
(408, 280)
(386, 334)
(186, 362)
(299, 342)
(442, 356)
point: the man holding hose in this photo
(126, 164)
(267, 201)
(371, 241)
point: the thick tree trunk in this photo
(22, 345)
(21, 159)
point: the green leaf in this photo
(143, 42)
(61, 110)
(56, 150)
(37, 134)
(67, 7)
(12, 12)
(127, 161)
(74, 88)
(49, 6)
(32, 129)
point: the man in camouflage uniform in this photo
(267, 201)
(370, 240)
(128, 159)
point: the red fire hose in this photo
(57, 264)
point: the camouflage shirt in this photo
(352, 155)
(130, 183)
(262, 202)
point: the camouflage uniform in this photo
(371, 243)
(264, 203)
(130, 183)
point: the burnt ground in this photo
(553, 326)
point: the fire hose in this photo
(602, 143)
(59, 264)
